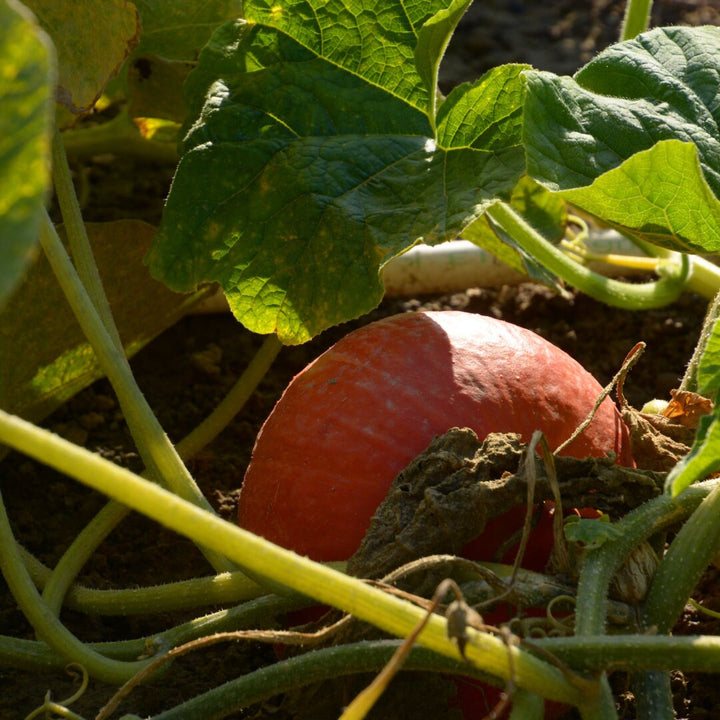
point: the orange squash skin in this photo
(357, 415)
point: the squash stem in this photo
(117, 136)
(690, 377)
(231, 404)
(35, 655)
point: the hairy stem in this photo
(78, 240)
(35, 655)
(683, 564)
(117, 136)
(636, 19)
(690, 378)
(600, 565)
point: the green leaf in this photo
(374, 41)
(44, 356)
(26, 86)
(708, 374)
(582, 135)
(659, 195)
(178, 29)
(432, 41)
(92, 39)
(311, 160)
(704, 457)
(591, 532)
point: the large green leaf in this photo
(26, 86)
(313, 157)
(583, 134)
(178, 29)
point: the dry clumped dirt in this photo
(188, 369)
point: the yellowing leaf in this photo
(93, 39)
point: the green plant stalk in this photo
(631, 296)
(221, 589)
(600, 565)
(628, 653)
(313, 667)
(598, 568)
(636, 18)
(526, 706)
(703, 276)
(687, 558)
(36, 656)
(622, 653)
(653, 695)
(57, 583)
(162, 459)
(343, 660)
(300, 574)
(690, 380)
(77, 237)
(45, 622)
(85, 543)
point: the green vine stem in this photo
(221, 589)
(628, 653)
(231, 404)
(631, 296)
(689, 380)
(85, 543)
(160, 456)
(37, 656)
(618, 652)
(600, 565)
(283, 567)
(77, 238)
(636, 19)
(45, 623)
(683, 564)
(653, 695)
(526, 706)
(313, 667)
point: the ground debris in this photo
(444, 498)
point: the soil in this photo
(188, 369)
